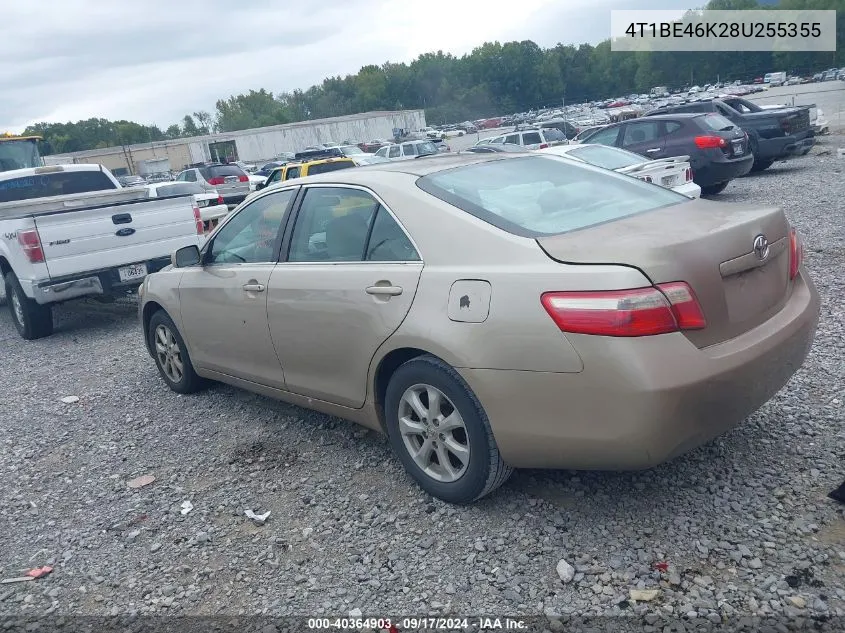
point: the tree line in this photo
(495, 78)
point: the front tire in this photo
(171, 355)
(32, 320)
(440, 432)
(712, 190)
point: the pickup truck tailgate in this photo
(102, 237)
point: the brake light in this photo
(218, 180)
(220, 200)
(710, 142)
(543, 145)
(784, 125)
(662, 309)
(796, 253)
(30, 243)
(198, 221)
(243, 178)
(688, 174)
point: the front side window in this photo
(276, 176)
(382, 152)
(190, 176)
(544, 195)
(251, 235)
(643, 132)
(292, 172)
(408, 149)
(394, 152)
(531, 138)
(332, 225)
(607, 136)
(513, 139)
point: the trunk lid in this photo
(709, 245)
(666, 172)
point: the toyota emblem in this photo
(761, 247)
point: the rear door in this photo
(644, 137)
(348, 280)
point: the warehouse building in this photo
(259, 144)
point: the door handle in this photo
(388, 291)
(652, 150)
(254, 287)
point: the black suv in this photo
(718, 150)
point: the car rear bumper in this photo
(639, 402)
(689, 189)
(709, 171)
(99, 282)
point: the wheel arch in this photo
(149, 309)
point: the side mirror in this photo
(185, 256)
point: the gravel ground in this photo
(742, 524)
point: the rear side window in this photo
(716, 123)
(554, 134)
(513, 138)
(539, 195)
(217, 171)
(531, 138)
(671, 126)
(53, 184)
(322, 168)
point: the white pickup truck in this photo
(69, 231)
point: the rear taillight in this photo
(710, 142)
(30, 243)
(216, 181)
(198, 221)
(785, 125)
(688, 174)
(220, 200)
(543, 145)
(647, 178)
(243, 178)
(796, 253)
(662, 309)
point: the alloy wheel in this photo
(168, 354)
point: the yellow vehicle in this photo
(19, 152)
(306, 168)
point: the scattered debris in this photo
(662, 567)
(355, 613)
(565, 571)
(187, 506)
(140, 482)
(258, 518)
(797, 601)
(306, 532)
(32, 574)
(838, 494)
(644, 595)
(70, 399)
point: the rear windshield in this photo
(716, 122)
(607, 157)
(322, 168)
(53, 184)
(544, 195)
(224, 170)
(179, 189)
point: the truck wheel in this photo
(171, 355)
(760, 165)
(31, 319)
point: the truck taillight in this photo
(198, 221)
(688, 174)
(220, 200)
(543, 145)
(660, 309)
(30, 243)
(796, 253)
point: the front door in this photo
(224, 301)
(349, 279)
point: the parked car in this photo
(674, 173)
(498, 148)
(266, 168)
(440, 144)
(631, 343)
(359, 156)
(131, 181)
(718, 150)
(211, 205)
(70, 231)
(530, 138)
(773, 134)
(230, 181)
(290, 171)
(407, 150)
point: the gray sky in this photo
(155, 61)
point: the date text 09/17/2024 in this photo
(390, 625)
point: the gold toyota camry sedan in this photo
(493, 311)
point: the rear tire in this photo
(451, 426)
(171, 355)
(712, 190)
(32, 320)
(760, 165)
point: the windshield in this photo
(19, 154)
(224, 170)
(554, 134)
(348, 150)
(607, 157)
(544, 195)
(322, 168)
(53, 184)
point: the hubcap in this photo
(168, 354)
(17, 306)
(434, 433)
